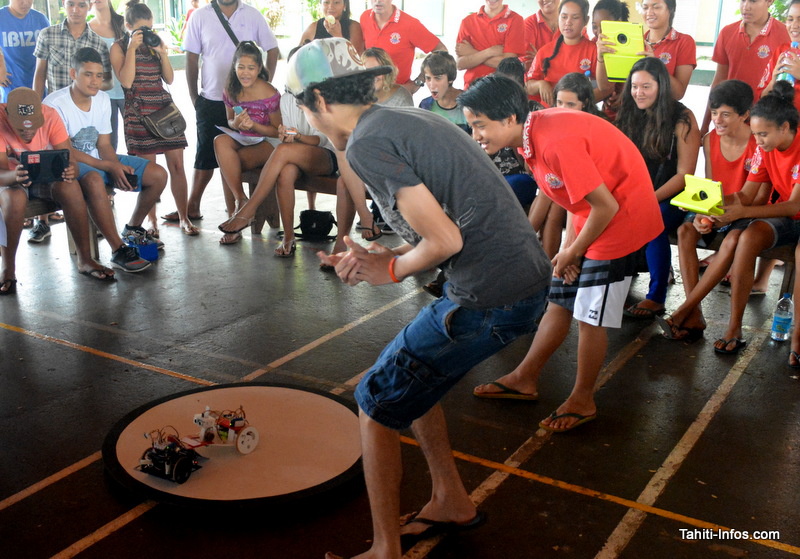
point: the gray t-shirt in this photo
(501, 261)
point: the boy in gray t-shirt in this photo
(445, 197)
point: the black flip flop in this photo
(436, 528)
(739, 343)
(796, 358)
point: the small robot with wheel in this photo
(225, 428)
(174, 458)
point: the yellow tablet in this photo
(628, 39)
(702, 196)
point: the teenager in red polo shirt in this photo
(571, 52)
(485, 38)
(743, 49)
(540, 29)
(399, 34)
(585, 164)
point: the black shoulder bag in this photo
(225, 23)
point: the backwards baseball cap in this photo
(324, 59)
(24, 108)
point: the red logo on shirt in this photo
(527, 148)
(502, 28)
(553, 180)
(763, 51)
(586, 65)
(394, 38)
(665, 57)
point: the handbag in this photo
(167, 122)
(316, 225)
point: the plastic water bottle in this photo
(782, 322)
(786, 76)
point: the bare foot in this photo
(510, 381)
(569, 415)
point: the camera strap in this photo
(225, 23)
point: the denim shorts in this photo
(434, 351)
(137, 163)
(785, 230)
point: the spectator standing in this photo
(540, 29)
(744, 48)
(342, 25)
(110, 26)
(488, 36)
(399, 34)
(21, 26)
(207, 37)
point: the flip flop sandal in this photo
(505, 392)
(232, 219)
(10, 287)
(738, 344)
(373, 236)
(436, 528)
(796, 356)
(581, 420)
(100, 274)
(230, 238)
(641, 313)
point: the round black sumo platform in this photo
(308, 446)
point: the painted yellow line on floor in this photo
(603, 496)
(48, 481)
(327, 337)
(104, 531)
(107, 355)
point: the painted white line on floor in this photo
(633, 519)
(327, 337)
(48, 481)
(103, 532)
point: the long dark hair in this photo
(580, 85)
(584, 6)
(617, 8)
(778, 106)
(233, 87)
(117, 22)
(651, 129)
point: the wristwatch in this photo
(420, 81)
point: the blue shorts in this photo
(137, 163)
(785, 230)
(434, 351)
(707, 239)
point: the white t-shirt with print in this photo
(83, 127)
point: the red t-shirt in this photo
(571, 153)
(676, 49)
(538, 33)
(732, 174)
(401, 35)
(50, 134)
(745, 60)
(767, 77)
(482, 32)
(779, 168)
(570, 58)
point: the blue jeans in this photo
(524, 187)
(434, 351)
(658, 253)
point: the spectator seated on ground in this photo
(86, 112)
(26, 125)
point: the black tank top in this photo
(322, 33)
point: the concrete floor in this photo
(685, 440)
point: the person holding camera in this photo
(141, 64)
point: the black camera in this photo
(149, 37)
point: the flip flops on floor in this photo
(436, 528)
(738, 344)
(504, 393)
(581, 419)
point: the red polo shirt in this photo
(676, 49)
(770, 67)
(745, 60)
(779, 168)
(482, 32)
(401, 35)
(538, 33)
(580, 58)
(571, 153)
